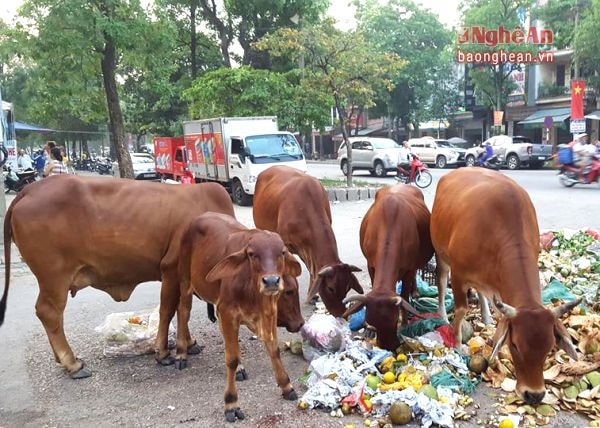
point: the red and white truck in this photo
(229, 150)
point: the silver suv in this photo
(439, 152)
(377, 155)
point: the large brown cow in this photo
(75, 232)
(485, 232)
(296, 206)
(394, 237)
(242, 272)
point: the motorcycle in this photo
(16, 181)
(104, 167)
(490, 163)
(419, 174)
(569, 175)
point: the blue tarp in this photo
(22, 126)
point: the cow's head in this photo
(332, 284)
(269, 261)
(288, 306)
(382, 315)
(530, 334)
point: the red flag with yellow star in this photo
(577, 91)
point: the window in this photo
(357, 145)
(237, 148)
(560, 75)
(367, 146)
(179, 155)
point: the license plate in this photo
(149, 174)
(541, 157)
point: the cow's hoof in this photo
(194, 349)
(180, 364)
(291, 395)
(82, 373)
(241, 375)
(234, 414)
(166, 361)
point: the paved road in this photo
(35, 392)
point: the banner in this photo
(577, 93)
(498, 116)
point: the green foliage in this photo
(559, 16)
(425, 86)
(587, 44)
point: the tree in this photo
(87, 39)
(492, 80)
(416, 35)
(560, 17)
(248, 21)
(341, 63)
(587, 45)
(246, 91)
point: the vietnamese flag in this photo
(577, 91)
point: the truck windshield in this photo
(273, 148)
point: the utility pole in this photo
(575, 62)
(3, 136)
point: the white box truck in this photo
(234, 150)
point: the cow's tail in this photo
(7, 244)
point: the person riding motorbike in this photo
(583, 152)
(489, 152)
(404, 159)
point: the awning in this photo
(22, 126)
(433, 124)
(594, 115)
(559, 115)
(361, 132)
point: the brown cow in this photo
(75, 232)
(241, 271)
(296, 206)
(394, 237)
(485, 232)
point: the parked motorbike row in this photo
(17, 180)
(100, 165)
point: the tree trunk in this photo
(343, 125)
(109, 65)
(224, 31)
(193, 39)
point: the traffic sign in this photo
(548, 121)
(577, 126)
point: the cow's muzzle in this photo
(271, 284)
(533, 397)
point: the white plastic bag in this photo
(127, 334)
(323, 334)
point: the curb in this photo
(351, 194)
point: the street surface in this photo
(35, 392)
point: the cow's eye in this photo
(251, 254)
(513, 349)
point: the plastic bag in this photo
(127, 334)
(323, 334)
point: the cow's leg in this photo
(442, 272)
(185, 344)
(460, 306)
(486, 316)
(283, 380)
(169, 299)
(409, 286)
(50, 308)
(230, 330)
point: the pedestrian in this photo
(24, 161)
(55, 165)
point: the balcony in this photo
(552, 91)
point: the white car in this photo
(438, 152)
(143, 166)
(377, 155)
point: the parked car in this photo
(514, 152)
(143, 166)
(437, 152)
(377, 155)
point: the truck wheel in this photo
(344, 167)
(513, 162)
(441, 162)
(379, 169)
(470, 161)
(240, 197)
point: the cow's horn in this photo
(400, 302)
(506, 310)
(559, 311)
(355, 298)
(326, 271)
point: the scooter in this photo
(16, 181)
(570, 175)
(105, 167)
(419, 174)
(490, 163)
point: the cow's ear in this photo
(563, 340)
(355, 285)
(228, 266)
(292, 267)
(354, 268)
(500, 336)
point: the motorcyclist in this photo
(489, 152)
(583, 153)
(404, 158)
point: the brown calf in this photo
(242, 272)
(296, 206)
(485, 233)
(394, 237)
